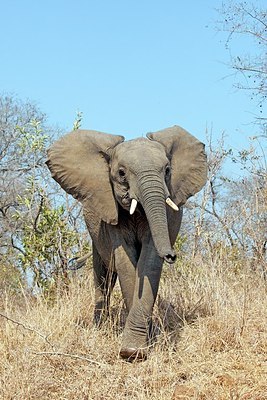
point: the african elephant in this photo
(131, 193)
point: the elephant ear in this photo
(188, 162)
(79, 163)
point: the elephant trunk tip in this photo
(170, 257)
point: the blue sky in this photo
(130, 66)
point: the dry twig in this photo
(28, 328)
(75, 356)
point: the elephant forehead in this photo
(140, 149)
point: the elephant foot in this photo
(131, 354)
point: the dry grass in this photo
(212, 342)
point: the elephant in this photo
(132, 193)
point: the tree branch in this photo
(35, 225)
(16, 247)
(28, 328)
(75, 356)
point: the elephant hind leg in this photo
(104, 280)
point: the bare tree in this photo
(246, 23)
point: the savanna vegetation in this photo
(210, 318)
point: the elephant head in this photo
(105, 173)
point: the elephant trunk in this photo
(153, 199)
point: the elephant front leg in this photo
(126, 261)
(136, 331)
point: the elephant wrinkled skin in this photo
(123, 187)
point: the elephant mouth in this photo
(128, 203)
(126, 200)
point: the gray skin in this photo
(105, 173)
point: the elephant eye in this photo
(167, 170)
(121, 172)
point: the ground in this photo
(211, 327)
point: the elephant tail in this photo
(76, 263)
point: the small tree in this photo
(39, 229)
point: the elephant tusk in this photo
(133, 206)
(171, 204)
